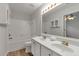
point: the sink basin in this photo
(62, 47)
(52, 38)
(48, 39)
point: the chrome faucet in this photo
(65, 43)
(44, 36)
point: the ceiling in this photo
(25, 8)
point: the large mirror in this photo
(57, 23)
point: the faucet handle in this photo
(65, 43)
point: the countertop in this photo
(72, 52)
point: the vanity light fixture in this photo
(55, 4)
(49, 6)
(69, 17)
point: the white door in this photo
(3, 29)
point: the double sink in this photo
(58, 44)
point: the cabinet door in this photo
(35, 48)
(45, 51)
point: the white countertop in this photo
(74, 50)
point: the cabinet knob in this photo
(49, 54)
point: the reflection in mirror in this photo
(72, 25)
(50, 25)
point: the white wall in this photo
(36, 18)
(58, 14)
(3, 40)
(19, 28)
(36, 24)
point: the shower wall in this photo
(19, 31)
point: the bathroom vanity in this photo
(52, 46)
(39, 49)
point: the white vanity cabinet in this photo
(45, 51)
(35, 48)
(4, 13)
(38, 49)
